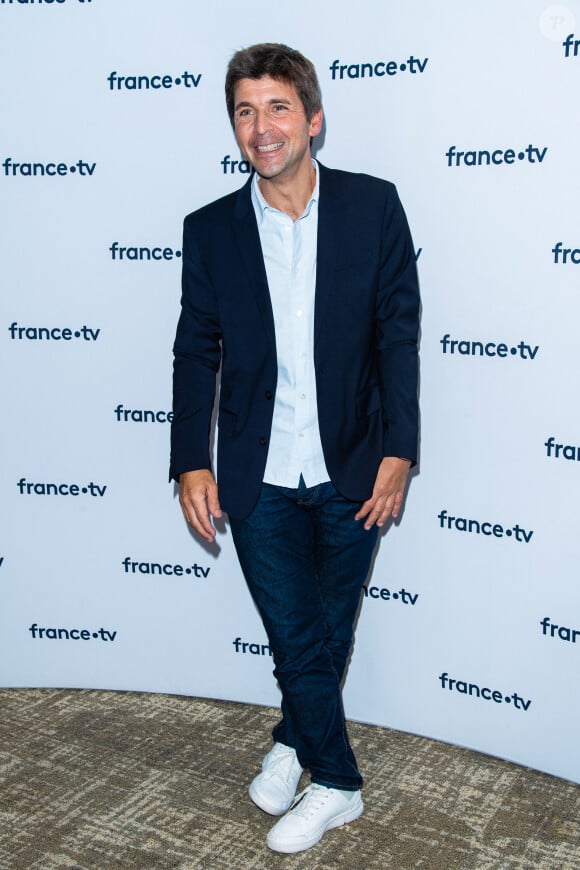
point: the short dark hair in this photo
(279, 62)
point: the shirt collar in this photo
(261, 206)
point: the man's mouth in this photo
(264, 149)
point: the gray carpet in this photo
(96, 780)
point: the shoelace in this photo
(310, 800)
(283, 765)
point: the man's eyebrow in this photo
(247, 103)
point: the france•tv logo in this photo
(571, 46)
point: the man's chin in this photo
(266, 172)
(268, 167)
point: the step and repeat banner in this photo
(113, 128)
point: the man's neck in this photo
(290, 196)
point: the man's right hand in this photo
(198, 497)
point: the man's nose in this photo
(262, 121)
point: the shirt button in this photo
(261, 441)
(302, 395)
(299, 313)
(268, 394)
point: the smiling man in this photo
(303, 287)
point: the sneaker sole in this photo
(300, 844)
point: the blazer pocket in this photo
(227, 420)
(368, 401)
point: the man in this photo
(303, 286)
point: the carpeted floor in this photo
(96, 780)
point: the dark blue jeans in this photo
(305, 560)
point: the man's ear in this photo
(316, 123)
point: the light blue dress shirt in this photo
(289, 251)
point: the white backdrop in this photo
(470, 628)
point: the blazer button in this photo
(262, 441)
(268, 394)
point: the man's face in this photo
(271, 127)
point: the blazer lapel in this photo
(329, 212)
(248, 238)
(329, 215)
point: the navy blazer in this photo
(365, 339)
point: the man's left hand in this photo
(388, 492)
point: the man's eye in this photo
(279, 108)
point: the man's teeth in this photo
(273, 147)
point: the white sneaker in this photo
(316, 810)
(274, 789)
